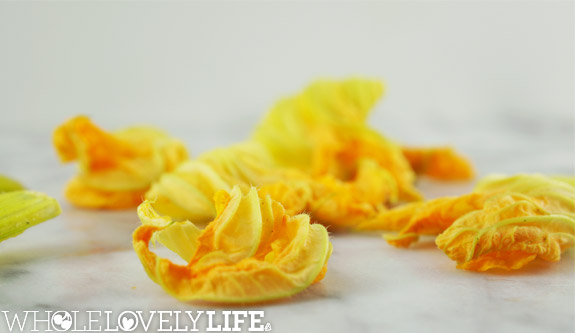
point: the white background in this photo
(494, 79)
(456, 72)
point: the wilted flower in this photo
(116, 169)
(252, 251)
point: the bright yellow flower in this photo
(323, 131)
(510, 231)
(187, 192)
(423, 218)
(505, 223)
(252, 251)
(116, 169)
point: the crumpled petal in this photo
(510, 231)
(556, 192)
(323, 131)
(294, 195)
(297, 126)
(251, 252)
(345, 204)
(20, 210)
(439, 162)
(8, 184)
(116, 169)
(187, 192)
(434, 216)
(504, 223)
(423, 218)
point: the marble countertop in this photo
(83, 260)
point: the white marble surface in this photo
(83, 261)
(502, 93)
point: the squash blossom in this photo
(252, 251)
(528, 216)
(20, 210)
(323, 132)
(187, 192)
(313, 152)
(116, 169)
(505, 222)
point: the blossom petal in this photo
(116, 169)
(507, 233)
(251, 252)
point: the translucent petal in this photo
(435, 216)
(429, 218)
(115, 168)
(510, 231)
(557, 192)
(323, 131)
(251, 252)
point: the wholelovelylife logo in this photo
(129, 321)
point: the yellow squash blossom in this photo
(20, 210)
(187, 192)
(116, 169)
(434, 216)
(251, 252)
(294, 195)
(505, 223)
(314, 153)
(323, 131)
(423, 218)
(343, 205)
(556, 192)
(510, 231)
